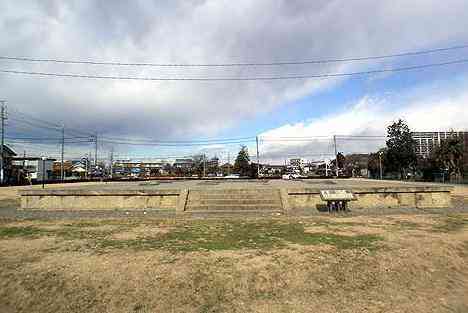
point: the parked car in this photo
(232, 176)
(291, 176)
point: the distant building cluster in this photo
(427, 141)
(30, 169)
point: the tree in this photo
(341, 159)
(428, 167)
(449, 156)
(226, 169)
(199, 162)
(242, 163)
(401, 152)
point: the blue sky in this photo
(338, 99)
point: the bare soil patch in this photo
(407, 263)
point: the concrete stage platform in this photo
(207, 196)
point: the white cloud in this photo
(370, 116)
(203, 32)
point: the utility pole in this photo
(111, 163)
(336, 156)
(24, 163)
(95, 151)
(3, 118)
(88, 165)
(258, 162)
(62, 174)
(229, 163)
(204, 165)
(43, 171)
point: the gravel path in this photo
(8, 210)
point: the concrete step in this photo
(232, 207)
(234, 213)
(233, 197)
(235, 192)
(234, 200)
(206, 201)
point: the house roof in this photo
(32, 159)
(7, 151)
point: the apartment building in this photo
(427, 141)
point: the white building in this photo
(36, 168)
(427, 141)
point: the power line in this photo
(265, 78)
(172, 145)
(300, 62)
(294, 137)
(25, 115)
(37, 139)
(219, 140)
(32, 123)
(53, 125)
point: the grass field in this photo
(398, 263)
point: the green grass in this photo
(407, 225)
(205, 235)
(235, 235)
(451, 223)
(18, 231)
(9, 203)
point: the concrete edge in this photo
(284, 200)
(57, 192)
(422, 189)
(182, 201)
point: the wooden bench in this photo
(337, 200)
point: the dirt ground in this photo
(368, 263)
(398, 263)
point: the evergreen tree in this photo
(242, 163)
(401, 148)
(449, 156)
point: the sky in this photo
(219, 32)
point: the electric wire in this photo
(254, 78)
(299, 62)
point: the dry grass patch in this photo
(237, 265)
(141, 232)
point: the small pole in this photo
(336, 155)
(380, 165)
(204, 165)
(24, 163)
(111, 162)
(3, 118)
(43, 172)
(96, 151)
(87, 166)
(258, 159)
(62, 174)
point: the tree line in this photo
(399, 157)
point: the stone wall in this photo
(73, 200)
(377, 198)
(290, 199)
